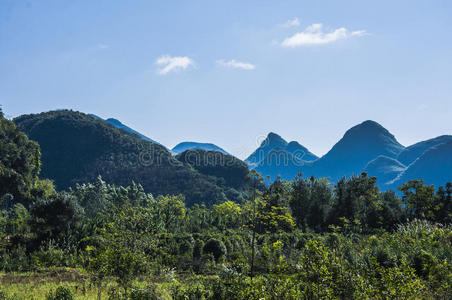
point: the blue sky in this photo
(229, 72)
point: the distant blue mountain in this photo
(271, 142)
(385, 169)
(434, 166)
(350, 156)
(275, 157)
(411, 153)
(181, 147)
(367, 147)
(119, 125)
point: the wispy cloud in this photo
(103, 46)
(236, 64)
(291, 23)
(314, 35)
(169, 63)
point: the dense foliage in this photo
(306, 239)
(77, 148)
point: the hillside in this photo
(434, 166)
(411, 153)
(384, 168)
(227, 170)
(120, 125)
(275, 157)
(184, 146)
(359, 145)
(77, 148)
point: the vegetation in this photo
(77, 148)
(306, 239)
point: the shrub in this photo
(216, 248)
(61, 293)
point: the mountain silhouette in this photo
(277, 158)
(434, 166)
(184, 146)
(77, 148)
(411, 153)
(359, 145)
(120, 125)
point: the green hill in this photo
(77, 148)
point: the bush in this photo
(148, 294)
(216, 248)
(61, 293)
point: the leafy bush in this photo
(216, 248)
(61, 293)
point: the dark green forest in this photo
(217, 232)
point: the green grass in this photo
(36, 285)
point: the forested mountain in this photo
(78, 148)
(230, 170)
(119, 125)
(181, 147)
(411, 153)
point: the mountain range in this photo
(77, 147)
(367, 147)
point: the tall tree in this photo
(19, 163)
(419, 199)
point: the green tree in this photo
(419, 199)
(56, 218)
(357, 201)
(19, 163)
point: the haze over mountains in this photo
(89, 146)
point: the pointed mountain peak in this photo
(272, 140)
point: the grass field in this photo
(36, 286)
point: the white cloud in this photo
(291, 23)
(314, 35)
(103, 46)
(236, 64)
(175, 63)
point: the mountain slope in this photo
(272, 141)
(300, 151)
(227, 168)
(434, 166)
(280, 163)
(384, 168)
(411, 153)
(275, 157)
(359, 145)
(119, 125)
(77, 148)
(184, 146)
